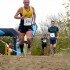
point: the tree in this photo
(67, 24)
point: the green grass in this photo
(6, 39)
(2, 48)
(63, 43)
(36, 48)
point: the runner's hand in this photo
(34, 23)
(22, 17)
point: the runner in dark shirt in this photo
(53, 32)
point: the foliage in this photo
(2, 47)
(6, 39)
(36, 48)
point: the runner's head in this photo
(52, 23)
(26, 3)
(43, 35)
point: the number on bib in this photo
(27, 21)
(52, 34)
(44, 40)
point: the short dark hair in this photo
(52, 21)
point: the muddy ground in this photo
(57, 62)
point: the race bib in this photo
(27, 21)
(44, 40)
(52, 34)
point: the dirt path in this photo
(58, 62)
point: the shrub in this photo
(36, 48)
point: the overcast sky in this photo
(43, 9)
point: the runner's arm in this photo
(17, 15)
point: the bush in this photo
(36, 48)
(63, 42)
(2, 48)
(6, 39)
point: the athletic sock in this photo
(21, 48)
(28, 46)
(54, 50)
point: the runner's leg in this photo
(21, 41)
(29, 37)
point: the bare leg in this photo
(29, 37)
(51, 49)
(42, 51)
(54, 48)
(21, 41)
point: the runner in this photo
(27, 16)
(44, 43)
(53, 32)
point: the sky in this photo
(43, 9)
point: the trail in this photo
(57, 62)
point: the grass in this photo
(2, 47)
(63, 43)
(36, 48)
